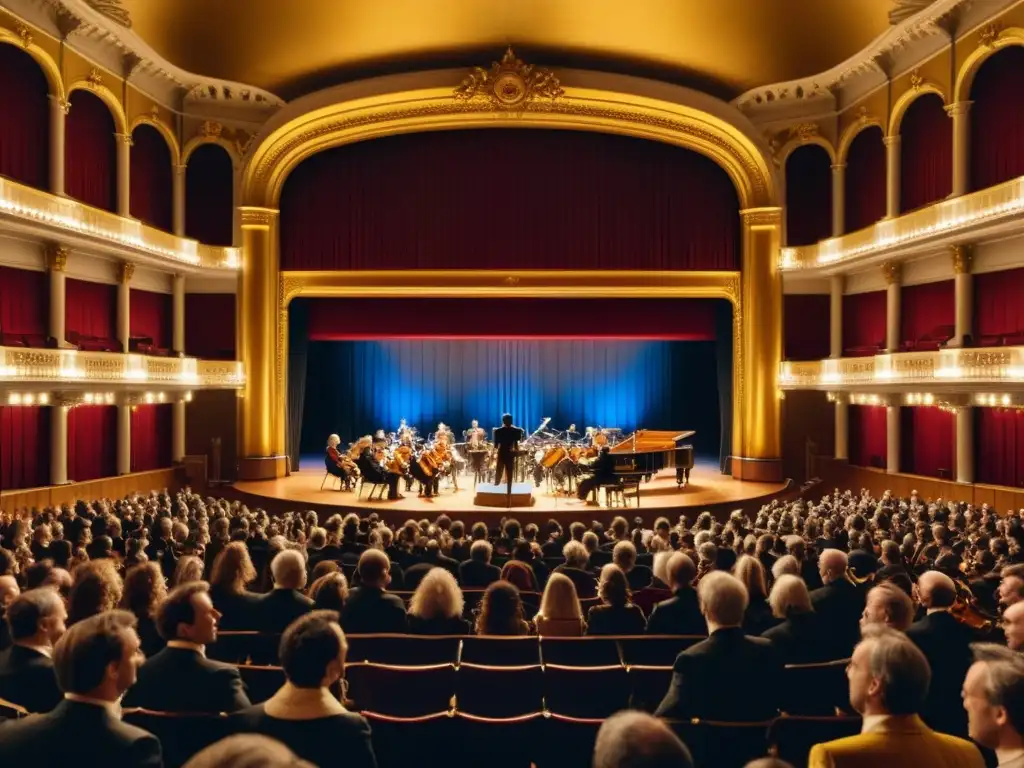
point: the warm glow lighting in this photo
(44, 398)
(188, 397)
(1006, 400)
(160, 396)
(14, 399)
(89, 397)
(149, 397)
(28, 399)
(928, 400)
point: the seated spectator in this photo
(232, 571)
(798, 639)
(758, 616)
(993, 696)
(575, 567)
(477, 572)
(246, 750)
(330, 591)
(889, 679)
(636, 740)
(189, 568)
(520, 575)
(95, 662)
(638, 576)
(616, 615)
(529, 553)
(285, 603)
(8, 591)
(559, 614)
(144, 590)
(1013, 626)
(36, 620)
(321, 569)
(889, 605)
(680, 614)
(369, 608)
(304, 715)
(1011, 585)
(706, 676)
(430, 559)
(787, 564)
(180, 678)
(501, 611)
(96, 588)
(839, 603)
(436, 606)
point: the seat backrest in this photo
(791, 737)
(404, 649)
(648, 686)
(11, 711)
(501, 651)
(401, 691)
(566, 742)
(585, 691)
(181, 735)
(815, 689)
(655, 650)
(723, 745)
(497, 742)
(498, 691)
(398, 742)
(261, 682)
(580, 651)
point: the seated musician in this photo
(603, 468)
(333, 461)
(373, 472)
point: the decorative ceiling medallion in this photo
(509, 84)
(990, 33)
(112, 9)
(916, 81)
(95, 78)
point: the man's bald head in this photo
(832, 565)
(936, 590)
(634, 739)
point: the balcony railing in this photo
(64, 214)
(994, 205)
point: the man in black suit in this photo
(431, 558)
(9, 590)
(477, 572)
(603, 470)
(506, 440)
(285, 603)
(36, 621)
(96, 662)
(369, 608)
(707, 676)
(946, 643)
(180, 678)
(839, 603)
(680, 614)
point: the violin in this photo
(969, 612)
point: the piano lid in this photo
(652, 440)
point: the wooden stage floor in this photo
(708, 489)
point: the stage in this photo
(708, 489)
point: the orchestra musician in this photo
(506, 440)
(373, 471)
(338, 465)
(603, 468)
(476, 446)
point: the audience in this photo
(616, 615)
(247, 750)
(575, 567)
(36, 619)
(231, 573)
(800, 638)
(285, 603)
(839, 602)
(888, 605)
(436, 606)
(144, 590)
(560, 614)
(680, 614)
(369, 608)
(501, 611)
(758, 616)
(993, 695)
(477, 572)
(329, 592)
(1013, 626)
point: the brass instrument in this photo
(400, 459)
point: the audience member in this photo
(889, 605)
(559, 614)
(501, 611)
(839, 603)
(633, 739)
(680, 614)
(993, 695)
(36, 619)
(616, 615)
(9, 590)
(575, 567)
(758, 616)
(624, 556)
(144, 590)
(96, 588)
(369, 608)
(1013, 626)
(247, 750)
(799, 639)
(329, 592)
(285, 602)
(232, 571)
(436, 606)
(477, 572)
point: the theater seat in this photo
(655, 650)
(815, 689)
(791, 737)
(404, 649)
(585, 691)
(496, 742)
(401, 691)
(498, 691)
(501, 651)
(648, 685)
(11, 711)
(401, 742)
(580, 651)
(261, 682)
(236, 646)
(566, 742)
(721, 744)
(181, 735)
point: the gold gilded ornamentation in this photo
(990, 33)
(65, 106)
(761, 217)
(509, 84)
(804, 132)
(113, 10)
(968, 359)
(891, 272)
(211, 129)
(916, 81)
(34, 364)
(253, 216)
(862, 114)
(511, 280)
(123, 138)
(95, 78)
(104, 366)
(962, 258)
(126, 272)
(25, 35)
(56, 257)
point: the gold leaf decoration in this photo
(509, 84)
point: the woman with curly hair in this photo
(501, 611)
(232, 571)
(96, 587)
(189, 568)
(616, 615)
(144, 590)
(436, 606)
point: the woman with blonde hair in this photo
(616, 615)
(232, 571)
(559, 614)
(758, 616)
(96, 588)
(799, 638)
(144, 590)
(436, 606)
(189, 568)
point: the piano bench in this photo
(613, 494)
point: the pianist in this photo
(603, 468)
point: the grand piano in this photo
(647, 451)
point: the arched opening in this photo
(926, 153)
(808, 195)
(90, 159)
(865, 180)
(151, 183)
(210, 195)
(25, 121)
(997, 119)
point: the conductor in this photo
(506, 441)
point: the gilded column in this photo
(59, 109)
(56, 265)
(124, 155)
(965, 444)
(178, 313)
(892, 438)
(261, 446)
(124, 279)
(757, 453)
(892, 176)
(124, 438)
(59, 440)
(178, 429)
(835, 316)
(838, 199)
(963, 285)
(960, 113)
(178, 200)
(893, 286)
(842, 428)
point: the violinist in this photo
(338, 465)
(373, 471)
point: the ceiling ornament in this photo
(95, 78)
(25, 35)
(211, 129)
(804, 132)
(990, 33)
(916, 81)
(509, 84)
(112, 9)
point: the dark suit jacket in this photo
(586, 584)
(707, 679)
(606, 620)
(77, 734)
(640, 577)
(679, 615)
(505, 438)
(181, 680)
(476, 575)
(339, 740)
(369, 610)
(800, 639)
(279, 608)
(840, 605)
(238, 611)
(758, 617)
(945, 642)
(27, 678)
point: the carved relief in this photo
(56, 257)
(25, 35)
(962, 258)
(990, 33)
(891, 271)
(126, 271)
(916, 81)
(509, 84)
(95, 78)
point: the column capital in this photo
(125, 272)
(256, 217)
(838, 167)
(962, 258)
(892, 141)
(959, 108)
(56, 257)
(759, 217)
(123, 138)
(57, 101)
(892, 271)
(180, 169)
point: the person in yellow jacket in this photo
(889, 679)
(994, 699)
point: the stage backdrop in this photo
(356, 387)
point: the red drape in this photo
(863, 323)
(926, 153)
(998, 309)
(679, 319)
(92, 442)
(210, 196)
(24, 119)
(865, 180)
(927, 442)
(999, 446)
(151, 437)
(149, 314)
(806, 328)
(90, 159)
(24, 447)
(808, 195)
(24, 304)
(497, 199)
(867, 436)
(91, 309)
(997, 119)
(927, 314)
(210, 325)
(151, 192)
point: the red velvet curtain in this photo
(92, 442)
(150, 314)
(24, 447)
(867, 436)
(24, 302)
(998, 309)
(999, 446)
(863, 323)
(24, 120)
(151, 437)
(210, 325)
(997, 119)
(91, 309)
(926, 153)
(807, 319)
(927, 312)
(669, 319)
(90, 152)
(865, 180)
(501, 199)
(927, 441)
(151, 186)
(808, 195)
(210, 196)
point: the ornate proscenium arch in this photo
(315, 127)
